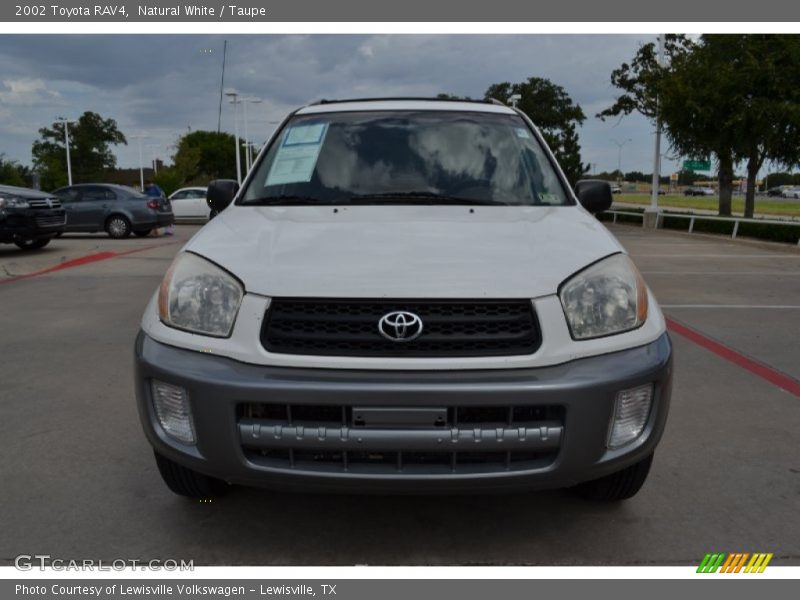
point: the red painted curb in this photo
(766, 372)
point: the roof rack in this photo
(409, 98)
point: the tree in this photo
(552, 110)
(763, 103)
(12, 173)
(205, 155)
(91, 138)
(443, 96)
(734, 96)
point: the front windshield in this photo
(412, 157)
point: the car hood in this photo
(23, 192)
(404, 251)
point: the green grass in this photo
(764, 206)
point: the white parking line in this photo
(752, 306)
(770, 256)
(724, 273)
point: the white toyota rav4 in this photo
(404, 296)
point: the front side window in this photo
(429, 157)
(68, 194)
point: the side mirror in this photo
(221, 193)
(594, 195)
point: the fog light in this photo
(631, 409)
(173, 411)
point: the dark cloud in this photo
(162, 85)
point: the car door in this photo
(71, 201)
(180, 204)
(199, 208)
(96, 202)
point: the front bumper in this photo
(31, 223)
(574, 402)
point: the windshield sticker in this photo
(522, 133)
(297, 155)
(547, 198)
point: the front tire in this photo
(621, 485)
(118, 227)
(188, 483)
(31, 244)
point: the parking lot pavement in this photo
(78, 478)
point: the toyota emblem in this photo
(400, 326)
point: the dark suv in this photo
(116, 209)
(29, 218)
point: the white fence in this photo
(693, 218)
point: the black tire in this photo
(142, 232)
(621, 485)
(185, 482)
(118, 227)
(29, 244)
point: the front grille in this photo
(45, 203)
(472, 439)
(456, 328)
(56, 220)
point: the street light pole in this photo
(234, 95)
(139, 138)
(248, 145)
(66, 142)
(155, 158)
(619, 156)
(246, 137)
(651, 213)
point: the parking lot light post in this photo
(66, 142)
(234, 96)
(619, 157)
(153, 148)
(139, 138)
(650, 220)
(248, 153)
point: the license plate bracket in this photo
(381, 417)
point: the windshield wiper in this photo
(421, 198)
(427, 198)
(284, 200)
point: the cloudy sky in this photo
(161, 86)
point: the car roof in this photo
(116, 186)
(379, 104)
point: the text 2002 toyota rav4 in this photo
(405, 296)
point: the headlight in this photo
(606, 298)
(198, 296)
(13, 202)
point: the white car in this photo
(190, 203)
(791, 192)
(404, 295)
